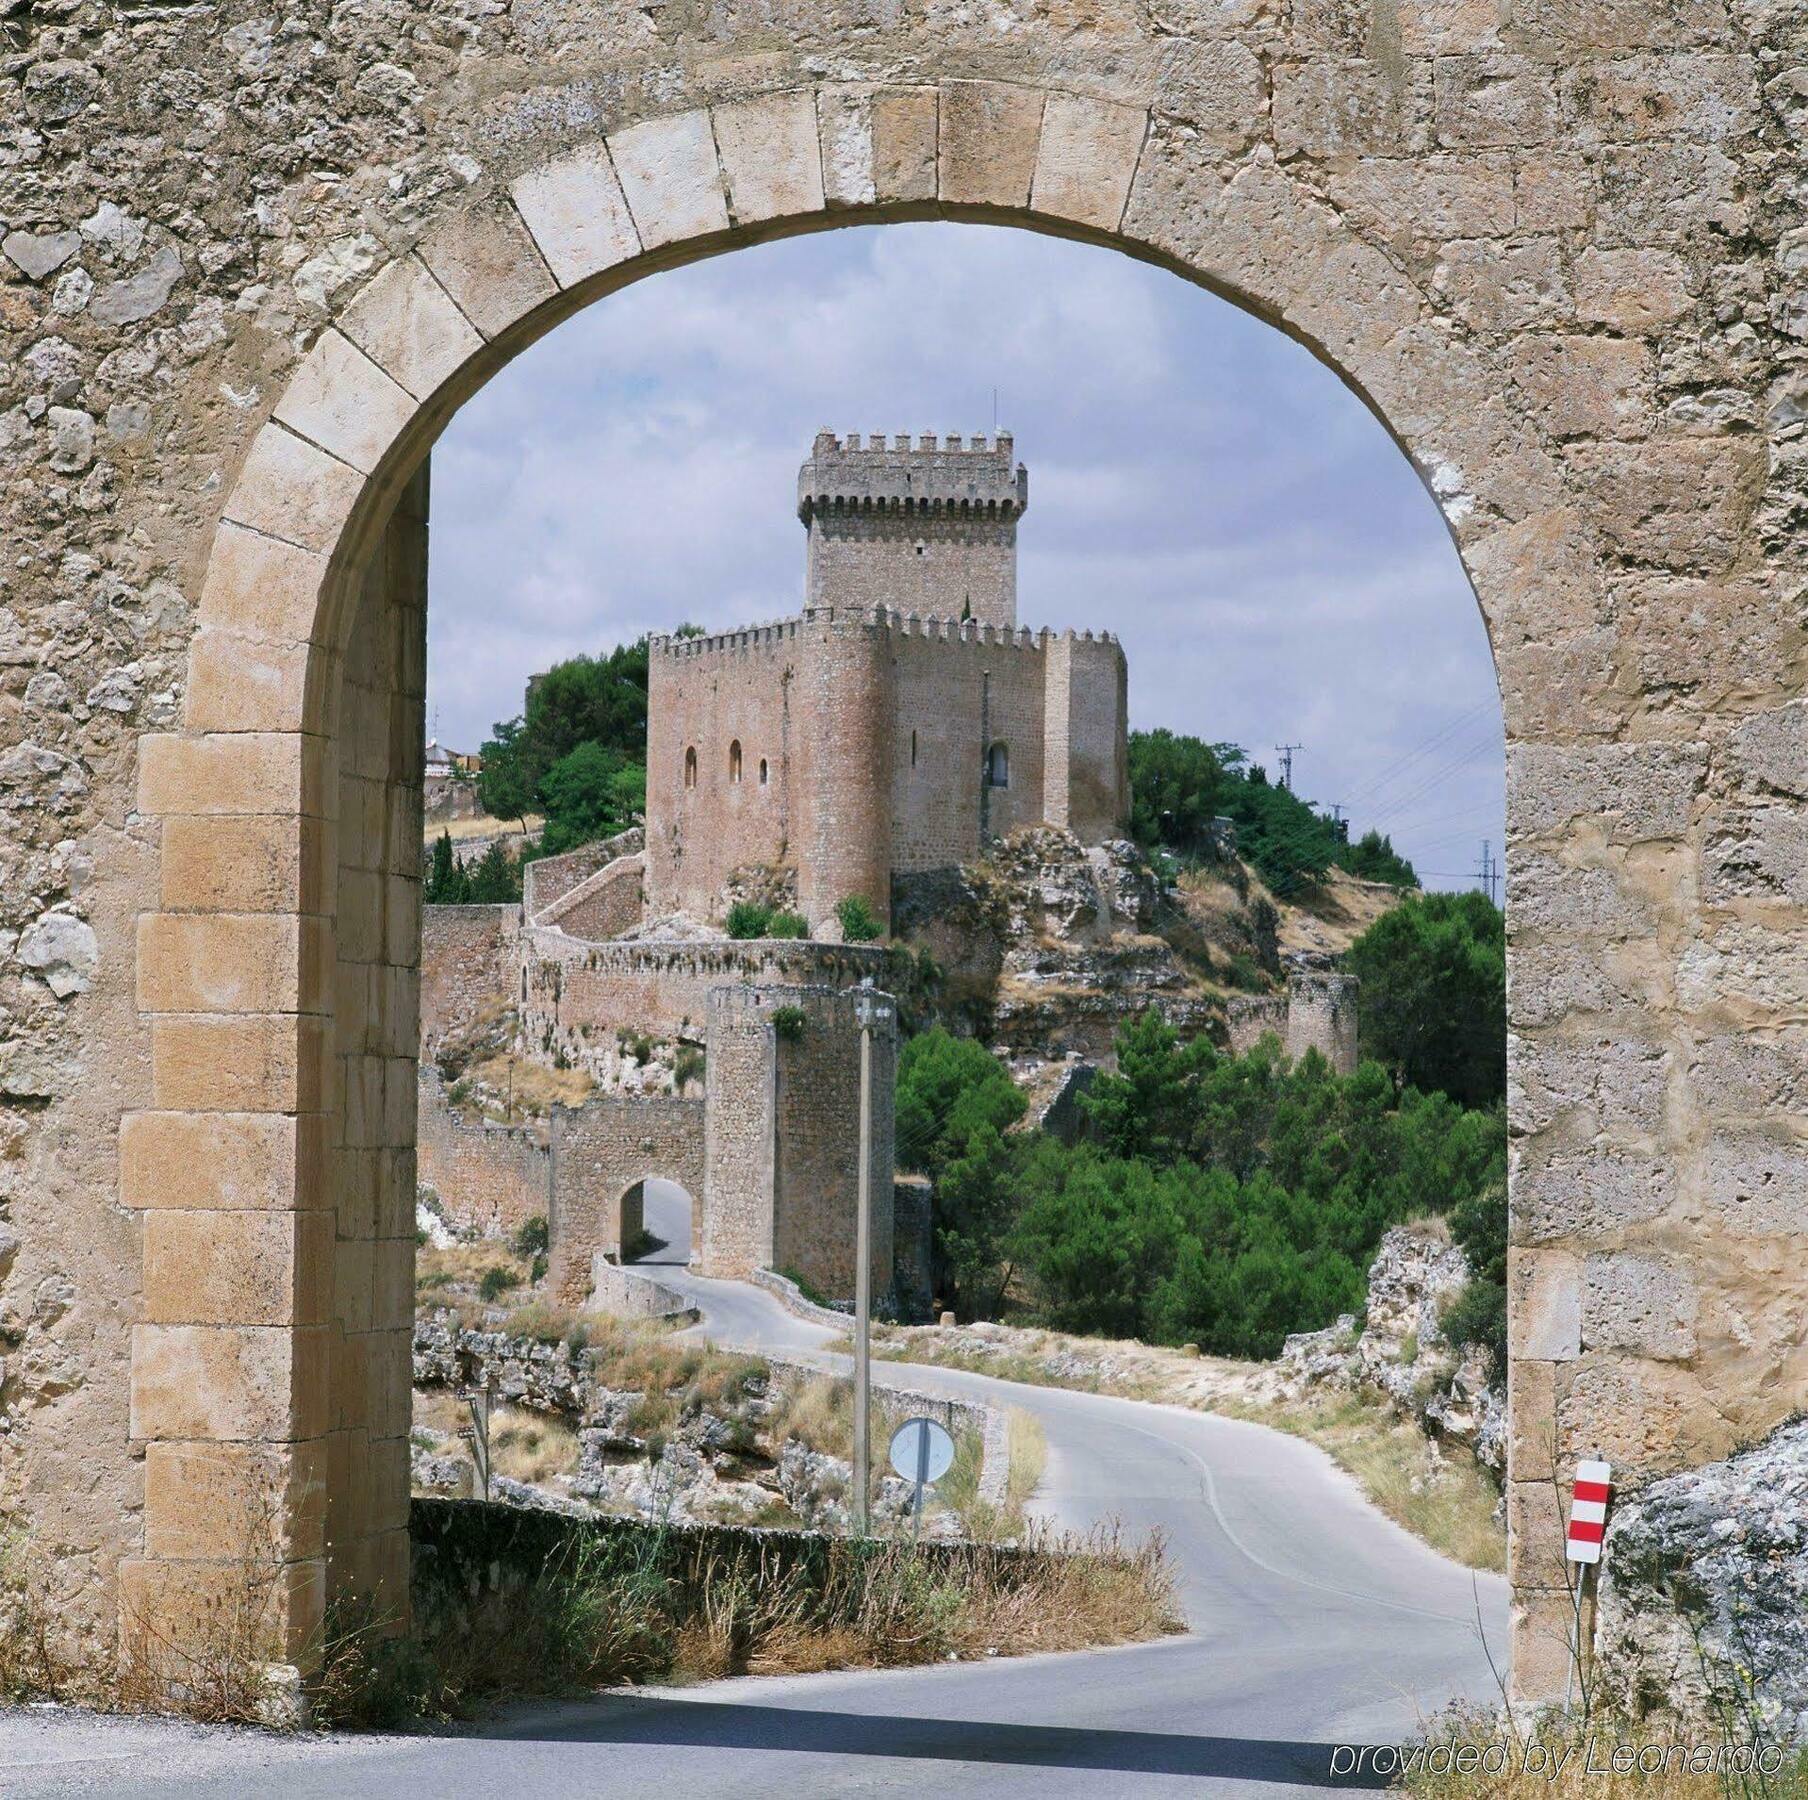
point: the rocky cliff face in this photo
(1704, 1589)
(1401, 1351)
(1046, 947)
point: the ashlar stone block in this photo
(221, 1502)
(411, 327)
(670, 177)
(341, 400)
(1544, 1305)
(262, 587)
(1087, 159)
(486, 260)
(247, 683)
(291, 489)
(232, 962)
(238, 1161)
(578, 215)
(229, 1383)
(771, 156)
(988, 140)
(1643, 1304)
(213, 1267)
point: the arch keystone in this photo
(988, 140)
(1087, 159)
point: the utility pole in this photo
(870, 1012)
(1285, 753)
(1490, 871)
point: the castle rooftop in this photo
(937, 473)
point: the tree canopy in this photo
(1434, 994)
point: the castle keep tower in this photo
(903, 721)
(930, 530)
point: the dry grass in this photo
(534, 1088)
(461, 829)
(530, 1446)
(593, 1618)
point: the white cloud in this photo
(1197, 482)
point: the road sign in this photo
(922, 1451)
(1588, 1511)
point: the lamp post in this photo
(869, 1010)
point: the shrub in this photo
(788, 924)
(858, 924)
(532, 1237)
(789, 1022)
(748, 919)
(687, 1066)
(497, 1280)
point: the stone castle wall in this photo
(491, 1178)
(548, 880)
(855, 745)
(599, 1151)
(467, 964)
(1319, 1011)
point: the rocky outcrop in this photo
(1049, 946)
(1400, 1350)
(1704, 1589)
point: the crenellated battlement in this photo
(889, 619)
(968, 477)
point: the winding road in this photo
(1314, 1622)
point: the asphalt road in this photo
(1314, 1622)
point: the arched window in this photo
(762, 771)
(690, 767)
(998, 766)
(734, 760)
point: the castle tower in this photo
(929, 529)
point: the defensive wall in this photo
(855, 743)
(1319, 1011)
(490, 1177)
(467, 964)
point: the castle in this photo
(902, 720)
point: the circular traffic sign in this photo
(922, 1450)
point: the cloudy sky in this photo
(1198, 483)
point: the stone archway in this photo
(276, 973)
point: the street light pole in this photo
(863, 1282)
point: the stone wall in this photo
(491, 1178)
(611, 901)
(550, 879)
(853, 745)
(599, 1151)
(250, 272)
(576, 993)
(1319, 1011)
(466, 964)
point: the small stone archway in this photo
(278, 976)
(673, 1220)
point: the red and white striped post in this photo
(1582, 1546)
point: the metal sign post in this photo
(1582, 1547)
(478, 1400)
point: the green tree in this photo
(589, 793)
(446, 883)
(496, 880)
(1434, 994)
(504, 784)
(1374, 858)
(1177, 786)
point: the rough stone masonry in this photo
(253, 262)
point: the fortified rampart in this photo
(1317, 1012)
(489, 1177)
(853, 746)
(467, 964)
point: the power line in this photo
(1422, 748)
(1285, 753)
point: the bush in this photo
(748, 919)
(789, 1022)
(532, 1237)
(497, 1280)
(788, 924)
(687, 1066)
(858, 924)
